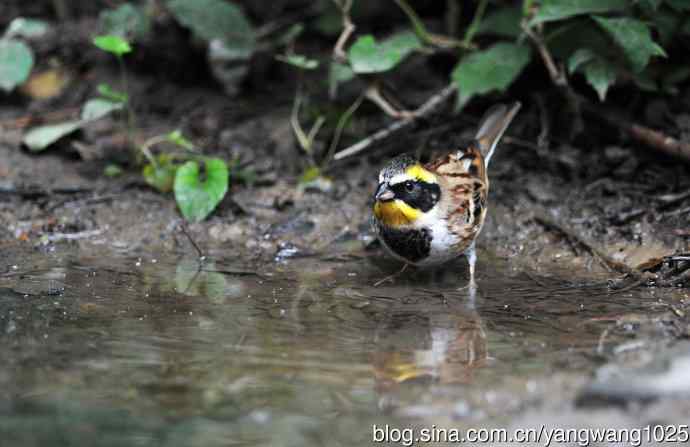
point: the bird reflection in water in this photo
(443, 345)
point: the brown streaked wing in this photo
(466, 184)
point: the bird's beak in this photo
(384, 193)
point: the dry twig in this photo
(425, 109)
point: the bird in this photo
(429, 214)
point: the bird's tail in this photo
(493, 126)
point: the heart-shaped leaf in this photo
(197, 196)
(16, 60)
(216, 19)
(368, 56)
(492, 69)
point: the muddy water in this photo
(137, 351)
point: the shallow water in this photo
(138, 351)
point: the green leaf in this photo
(299, 61)
(176, 137)
(634, 37)
(112, 170)
(197, 197)
(368, 56)
(578, 58)
(492, 69)
(39, 138)
(126, 20)
(112, 95)
(97, 108)
(216, 19)
(503, 22)
(27, 28)
(112, 44)
(161, 176)
(16, 60)
(601, 75)
(338, 74)
(562, 9)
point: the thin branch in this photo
(652, 138)
(185, 231)
(425, 109)
(348, 28)
(373, 94)
(557, 74)
(342, 122)
(474, 25)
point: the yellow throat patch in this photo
(395, 213)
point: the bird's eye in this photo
(409, 186)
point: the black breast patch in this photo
(413, 245)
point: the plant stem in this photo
(342, 122)
(474, 26)
(130, 112)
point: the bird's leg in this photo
(471, 255)
(391, 277)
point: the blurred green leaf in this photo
(600, 74)
(503, 22)
(337, 74)
(16, 61)
(110, 94)
(112, 170)
(112, 44)
(216, 19)
(97, 108)
(197, 197)
(299, 61)
(27, 28)
(162, 175)
(634, 37)
(40, 138)
(492, 69)
(368, 56)
(176, 137)
(126, 21)
(561, 9)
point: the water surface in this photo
(140, 351)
